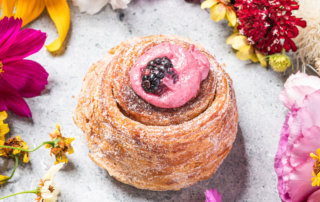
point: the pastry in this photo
(158, 113)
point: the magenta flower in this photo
(212, 195)
(19, 78)
(300, 136)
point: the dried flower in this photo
(221, 9)
(212, 195)
(279, 62)
(245, 51)
(93, 7)
(4, 128)
(11, 153)
(30, 10)
(61, 146)
(298, 138)
(19, 77)
(308, 40)
(269, 25)
(48, 192)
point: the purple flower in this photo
(212, 195)
(19, 78)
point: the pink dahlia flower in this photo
(212, 195)
(300, 136)
(19, 77)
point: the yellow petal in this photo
(244, 53)
(318, 152)
(60, 14)
(238, 42)
(3, 115)
(313, 156)
(26, 158)
(3, 179)
(253, 56)
(231, 38)
(208, 4)
(262, 58)
(29, 10)
(8, 6)
(4, 128)
(231, 16)
(218, 12)
(70, 150)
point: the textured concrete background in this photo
(247, 174)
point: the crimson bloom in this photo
(19, 77)
(269, 24)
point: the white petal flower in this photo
(94, 6)
(48, 190)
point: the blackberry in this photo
(154, 72)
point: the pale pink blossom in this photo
(300, 136)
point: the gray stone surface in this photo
(247, 174)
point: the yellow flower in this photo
(279, 62)
(221, 9)
(3, 179)
(245, 51)
(15, 142)
(61, 146)
(316, 168)
(29, 10)
(4, 129)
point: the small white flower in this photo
(48, 192)
(94, 6)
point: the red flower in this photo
(269, 24)
(19, 77)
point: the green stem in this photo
(14, 169)
(21, 149)
(23, 192)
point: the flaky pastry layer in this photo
(148, 147)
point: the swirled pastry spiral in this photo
(150, 147)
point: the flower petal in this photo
(9, 29)
(262, 58)
(238, 41)
(28, 77)
(11, 99)
(208, 4)
(212, 195)
(3, 179)
(244, 52)
(8, 6)
(27, 42)
(60, 14)
(218, 12)
(29, 10)
(297, 87)
(3, 115)
(119, 4)
(52, 171)
(231, 16)
(90, 7)
(314, 197)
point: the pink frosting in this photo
(191, 65)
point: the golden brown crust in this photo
(148, 147)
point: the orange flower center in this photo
(316, 167)
(1, 65)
